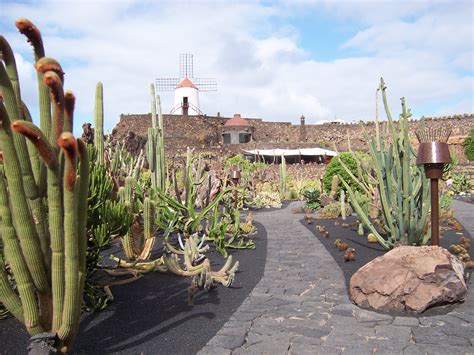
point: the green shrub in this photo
(461, 183)
(335, 168)
(242, 164)
(469, 146)
(312, 198)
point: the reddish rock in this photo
(409, 278)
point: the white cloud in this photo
(423, 50)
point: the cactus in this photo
(402, 186)
(283, 176)
(334, 186)
(46, 252)
(155, 145)
(343, 205)
(99, 122)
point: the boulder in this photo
(409, 278)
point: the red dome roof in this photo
(186, 83)
(237, 121)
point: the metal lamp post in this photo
(235, 179)
(433, 153)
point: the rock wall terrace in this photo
(204, 133)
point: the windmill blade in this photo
(186, 65)
(166, 84)
(206, 84)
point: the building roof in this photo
(186, 83)
(237, 121)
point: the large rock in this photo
(409, 278)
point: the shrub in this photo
(312, 198)
(335, 168)
(461, 183)
(469, 146)
(242, 164)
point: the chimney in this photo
(302, 129)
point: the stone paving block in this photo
(337, 320)
(281, 341)
(430, 335)
(245, 316)
(304, 340)
(214, 350)
(358, 349)
(363, 315)
(307, 349)
(346, 310)
(227, 341)
(393, 332)
(344, 340)
(417, 349)
(406, 321)
(236, 331)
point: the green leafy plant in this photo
(461, 183)
(469, 146)
(335, 168)
(312, 195)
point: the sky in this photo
(274, 60)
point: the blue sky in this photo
(272, 59)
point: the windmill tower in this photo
(186, 88)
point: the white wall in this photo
(193, 99)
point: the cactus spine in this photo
(99, 122)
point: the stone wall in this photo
(205, 133)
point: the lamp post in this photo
(433, 153)
(235, 180)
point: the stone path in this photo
(300, 306)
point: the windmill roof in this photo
(186, 83)
(237, 121)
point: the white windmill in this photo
(186, 88)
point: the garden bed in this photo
(366, 251)
(151, 315)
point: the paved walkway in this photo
(300, 306)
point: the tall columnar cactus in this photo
(334, 186)
(402, 186)
(283, 176)
(45, 251)
(343, 205)
(155, 144)
(99, 121)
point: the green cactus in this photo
(99, 122)
(343, 205)
(283, 177)
(402, 186)
(334, 186)
(155, 144)
(45, 251)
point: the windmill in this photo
(186, 88)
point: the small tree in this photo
(469, 146)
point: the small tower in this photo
(302, 129)
(186, 98)
(237, 130)
(186, 88)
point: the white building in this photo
(186, 99)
